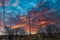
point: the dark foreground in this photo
(42, 36)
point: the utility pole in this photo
(29, 27)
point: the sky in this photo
(13, 9)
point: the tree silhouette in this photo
(19, 31)
(51, 29)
